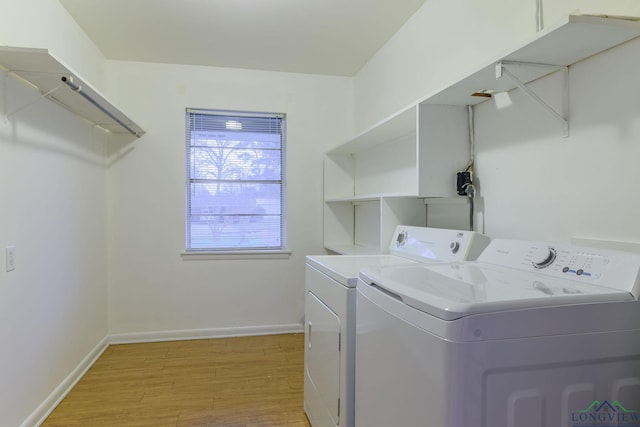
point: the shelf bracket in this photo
(503, 70)
(24, 107)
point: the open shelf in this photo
(458, 200)
(571, 40)
(395, 127)
(368, 198)
(352, 249)
(42, 70)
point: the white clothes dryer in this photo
(330, 313)
(530, 335)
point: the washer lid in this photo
(454, 290)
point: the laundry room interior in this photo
(92, 222)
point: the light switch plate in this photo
(10, 258)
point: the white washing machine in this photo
(530, 335)
(330, 313)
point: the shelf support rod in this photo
(502, 70)
(78, 89)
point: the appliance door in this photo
(323, 354)
(403, 374)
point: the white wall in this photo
(532, 182)
(93, 230)
(53, 210)
(537, 184)
(151, 288)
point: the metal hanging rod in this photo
(78, 89)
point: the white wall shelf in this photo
(352, 250)
(572, 40)
(367, 198)
(395, 127)
(42, 70)
(458, 200)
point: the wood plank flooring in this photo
(231, 382)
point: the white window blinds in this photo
(235, 181)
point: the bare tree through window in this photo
(236, 186)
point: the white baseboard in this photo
(41, 413)
(191, 334)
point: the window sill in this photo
(212, 255)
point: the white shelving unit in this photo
(366, 227)
(59, 83)
(379, 179)
(385, 175)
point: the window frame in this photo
(271, 252)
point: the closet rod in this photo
(69, 82)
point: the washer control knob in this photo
(401, 239)
(543, 257)
(455, 247)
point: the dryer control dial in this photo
(543, 257)
(455, 247)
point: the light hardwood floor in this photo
(231, 382)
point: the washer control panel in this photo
(589, 264)
(429, 244)
(614, 269)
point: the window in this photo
(235, 181)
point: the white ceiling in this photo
(334, 37)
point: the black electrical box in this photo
(463, 180)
